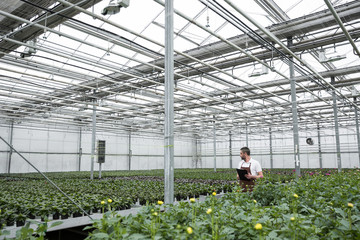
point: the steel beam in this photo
(169, 103)
(319, 145)
(341, 24)
(10, 142)
(80, 149)
(337, 137)
(271, 149)
(129, 152)
(357, 129)
(294, 113)
(230, 149)
(93, 139)
(214, 142)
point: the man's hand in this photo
(249, 176)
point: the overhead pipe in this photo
(338, 20)
(276, 40)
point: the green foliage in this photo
(314, 207)
(319, 211)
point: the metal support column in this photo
(357, 129)
(11, 142)
(130, 152)
(337, 137)
(169, 103)
(93, 139)
(194, 151)
(247, 137)
(294, 112)
(214, 140)
(319, 144)
(230, 149)
(99, 170)
(80, 149)
(271, 150)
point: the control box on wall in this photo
(101, 151)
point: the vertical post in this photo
(11, 142)
(271, 149)
(100, 170)
(93, 138)
(194, 151)
(294, 112)
(337, 138)
(230, 148)
(198, 153)
(169, 103)
(357, 129)
(130, 152)
(214, 144)
(80, 149)
(246, 132)
(319, 144)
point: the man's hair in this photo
(245, 150)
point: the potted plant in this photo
(20, 219)
(55, 212)
(10, 217)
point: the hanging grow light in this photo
(258, 71)
(330, 57)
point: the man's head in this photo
(244, 153)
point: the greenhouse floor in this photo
(72, 228)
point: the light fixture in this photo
(114, 6)
(258, 71)
(29, 50)
(330, 57)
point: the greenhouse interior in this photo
(103, 101)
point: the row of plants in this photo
(316, 206)
(208, 174)
(27, 197)
(20, 200)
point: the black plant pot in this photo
(56, 216)
(77, 214)
(10, 222)
(20, 223)
(31, 216)
(64, 216)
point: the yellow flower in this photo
(214, 193)
(155, 214)
(295, 195)
(160, 202)
(192, 200)
(258, 226)
(209, 211)
(292, 219)
(350, 205)
(189, 230)
(109, 200)
(254, 201)
(102, 202)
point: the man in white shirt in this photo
(252, 167)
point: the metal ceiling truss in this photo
(131, 98)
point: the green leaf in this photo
(100, 236)
(137, 236)
(57, 223)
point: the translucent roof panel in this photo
(225, 64)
